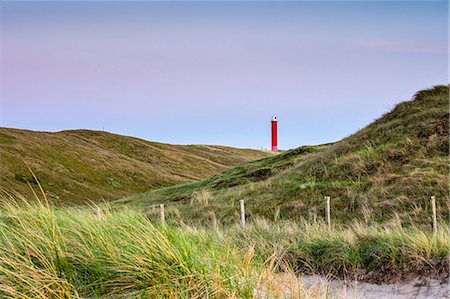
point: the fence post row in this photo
(98, 213)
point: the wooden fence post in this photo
(98, 212)
(162, 216)
(327, 198)
(433, 207)
(242, 208)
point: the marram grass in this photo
(48, 252)
(65, 253)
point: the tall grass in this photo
(48, 252)
(62, 253)
(355, 251)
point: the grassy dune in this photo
(383, 173)
(50, 252)
(80, 166)
(380, 180)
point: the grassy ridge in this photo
(242, 175)
(79, 166)
(73, 252)
(385, 172)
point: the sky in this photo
(214, 72)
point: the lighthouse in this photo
(274, 133)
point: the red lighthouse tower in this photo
(274, 133)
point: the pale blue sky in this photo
(215, 72)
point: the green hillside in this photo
(84, 166)
(385, 172)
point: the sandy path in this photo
(315, 286)
(407, 289)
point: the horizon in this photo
(215, 72)
(188, 144)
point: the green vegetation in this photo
(50, 252)
(90, 166)
(384, 173)
(380, 181)
(65, 253)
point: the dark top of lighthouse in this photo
(274, 117)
